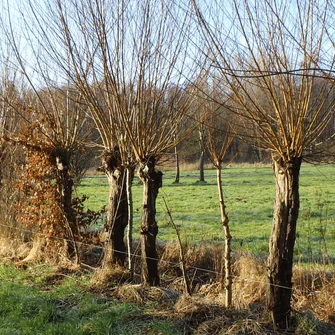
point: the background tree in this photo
(274, 47)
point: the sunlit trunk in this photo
(117, 219)
(227, 250)
(117, 211)
(152, 181)
(286, 210)
(2, 160)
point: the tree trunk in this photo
(202, 157)
(152, 181)
(117, 219)
(177, 178)
(117, 212)
(286, 210)
(227, 251)
(202, 165)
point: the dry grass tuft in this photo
(203, 265)
(213, 292)
(245, 326)
(130, 293)
(187, 304)
(249, 285)
(205, 256)
(213, 327)
(111, 275)
(13, 248)
(142, 294)
(170, 253)
(315, 293)
(195, 310)
(204, 317)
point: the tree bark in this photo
(117, 212)
(286, 210)
(227, 250)
(152, 181)
(117, 219)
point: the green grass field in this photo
(249, 195)
(38, 301)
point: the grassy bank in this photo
(249, 193)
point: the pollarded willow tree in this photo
(67, 33)
(267, 54)
(54, 116)
(45, 178)
(128, 61)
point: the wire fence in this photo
(171, 263)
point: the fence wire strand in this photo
(236, 278)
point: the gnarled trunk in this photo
(152, 181)
(117, 219)
(286, 210)
(117, 212)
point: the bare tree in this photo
(217, 136)
(274, 47)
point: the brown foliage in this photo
(39, 206)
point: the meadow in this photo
(249, 195)
(40, 298)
